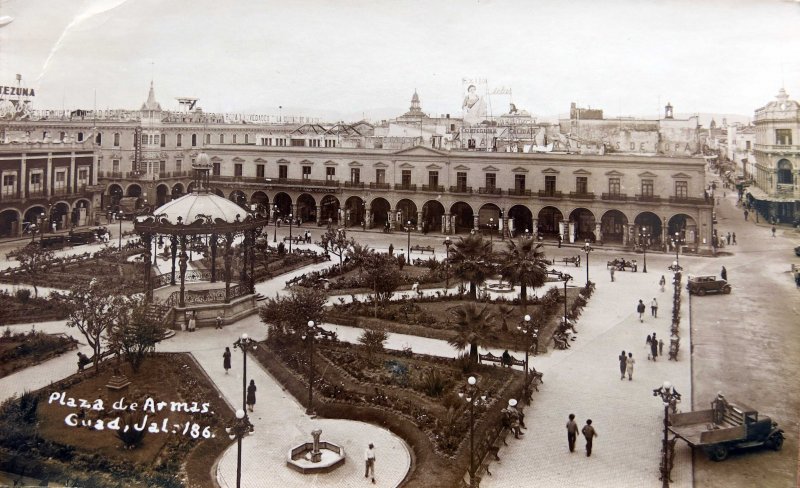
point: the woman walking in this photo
(226, 359)
(251, 395)
(662, 282)
(622, 365)
(629, 366)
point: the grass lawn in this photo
(23, 349)
(163, 377)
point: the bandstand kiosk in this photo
(211, 226)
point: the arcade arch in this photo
(406, 211)
(432, 216)
(133, 190)
(463, 217)
(380, 212)
(282, 205)
(648, 223)
(549, 218)
(9, 223)
(612, 226)
(329, 208)
(520, 219)
(584, 224)
(354, 211)
(238, 197)
(162, 195)
(306, 208)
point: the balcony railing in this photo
(354, 184)
(460, 189)
(619, 197)
(780, 148)
(575, 195)
(405, 187)
(302, 182)
(380, 186)
(689, 200)
(557, 195)
(490, 191)
(436, 188)
(648, 198)
(519, 192)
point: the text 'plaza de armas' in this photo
(585, 177)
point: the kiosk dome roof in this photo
(195, 206)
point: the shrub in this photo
(433, 383)
(23, 295)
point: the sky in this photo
(345, 58)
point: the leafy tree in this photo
(383, 274)
(505, 312)
(93, 309)
(335, 241)
(292, 313)
(33, 260)
(523, 265)
(471, 260)
(472, 328)
(136, 332)
(373, 340)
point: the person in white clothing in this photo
(369, 458)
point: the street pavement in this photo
(583, 380)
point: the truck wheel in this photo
(775, 442)
(700, 292)
(726, 290)
(718, 453)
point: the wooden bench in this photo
(493, 445)
(621, 264)
(422, 249)
(294, 239)
(499, 359)
(537, 378)
(294, 280)
(576, 260)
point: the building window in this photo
(613, 186)
(83, 175)
(313, 143)
(380, 176)
(208, 138)
(194, 140)
(163, 140)
(550, 184)
(306, 172)
(355, 175)
(682, 189)
(62, 136)
(283, 171)
(783, 137)
(260, 171)
(784, 172)
(162, 166)
(178, 165)
(215, 169)
(298, 142)
(491, 181)
(222, 138)
(9, 185)
(406, 178)
(237, 169)
(98, 138)
(247, 138)
(61, 179)
(179, 140)
(280, 142)
(519, 183)
(747, 145)
(330, 143)
(80, 136)
(647, 188)
(433, 179)
(144, 139)
(116, 139)
(36, 182)
(461, 181)
(44, 135)
(234, 138)
(581, 185)
(115, 166)
(330, 173)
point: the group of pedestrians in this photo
(250, 399)
(655, 346)
(641, 308)
(626, 365)
(588, 432)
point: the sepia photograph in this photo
(416, 244)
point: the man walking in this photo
(572, 432)
(589, 433)
(654, 347)
(369, 458)
(733, 236)
(773, 231)
(629, 366)
(654, 308)
(724, 274)
(622, 364)
(640, 308)
(612, 274)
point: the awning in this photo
(759, 194)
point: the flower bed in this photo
(22, 307)
(22, 349)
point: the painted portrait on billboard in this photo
(474, 107)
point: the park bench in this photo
(85, 362)
(620, 264)
(294, 239)
(295, 280)
(422, 249)
(499, 359)
(494, 441)
(576, 260)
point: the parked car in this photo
(797, 251)
(700, 285)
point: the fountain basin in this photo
(300, 458)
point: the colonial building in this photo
(351, 176)
(777, 153)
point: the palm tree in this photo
(471, 259)
(523, 265)
(472, 327)
(359, 254)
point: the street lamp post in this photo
(274, 225)
(447, 245)
(310, 336)
(237, 429)
(472, 395)
(587, 248)
(669, 396)
(408, 230)
(291, 217)
(119, 217)
(566, 278)
(676, 242)
(675, 267)
(491, 228)
(244, 343)
(530, 333)
(645, 241)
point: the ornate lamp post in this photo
(119, 217)
(447, 245)
(531, 334)
(675, 267)
(670, 397)
(473, 396)
(645, 236)
(408, 230)
(566, 278)
(587, 248)
(310, 335)
(244, 343)
(291, 217)
(237, 429)
(275, 225)
(491, 229)
(676, 241)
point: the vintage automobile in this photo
(797, 251)
(726, 426)
(700, 285)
